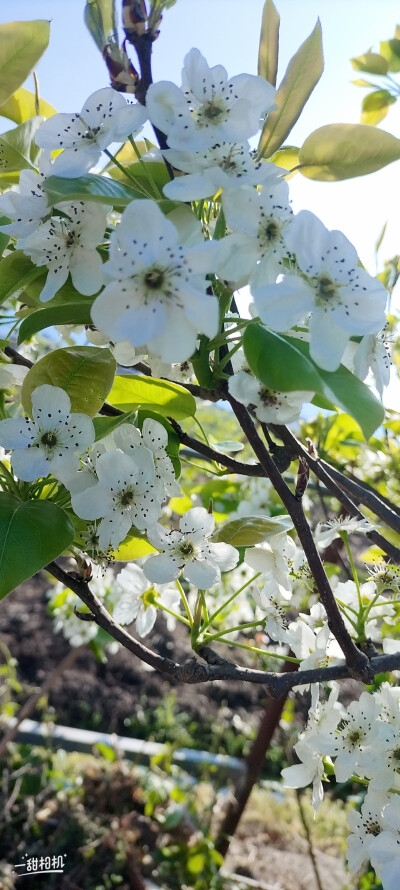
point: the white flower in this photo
(254, 252)
(125, 495)
(341, 297)
(26, 203)
(275, 605)
(208, 108)
(351, 746)
(310, 769)
(189, 551)
(158, 292)
(373, 352)
(380, 763)
(104, 118)
(326, 532)
(137, 600)
(52, 440)
(365, 827)
(272, 558)
(268, 405)
(385, 852)
(68, 244)
(154, 437)
(11, 375)
(225, 165)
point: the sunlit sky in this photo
(227, 32)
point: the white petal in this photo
(282, 305)
(201, 573)
(50, 403)
(162, 568)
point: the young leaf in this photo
(69, 313)
(269, 43)
(278, 363)
(22, 105)
(251, 530)
(21, 46)
(16, 270)
(160, 396)
(85, 372)
(343, 151)
(17, 148)
(32, 533)
(133, 547)
(91, 187)
(103, 426)
(375, 106)
(371, 63)
(349, 393)
(390, 50)
(302, 75)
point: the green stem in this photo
(257, 651)
(185, 602)
(145, 167)
(230, 630)
(170, 612)
(231, 598)
(127, 175)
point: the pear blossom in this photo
(343, 298)
(365, 827)
(137, 600)
(268, 405)
(11, 375)
(104, 118)
(381, 762)
(189, 551)
(153, 436)
(125, 495)
(328, 531)
(68, 244)
(225, 165)
(259, 220)
(157, 291)
(52, 441)
(209, 108)
(373, 353)
(275, 606)
(352, 745)
(385, 852)
(272, 558)
(62, 602)
(310, 769)
(26, 204)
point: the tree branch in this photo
(234, 466)
(357, 662)
(217, 668)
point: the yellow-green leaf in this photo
(288, 158)
(302, 75)
(269, 43)
(343, 151)
(160, 396)
(85, 372)
(133, 547)
(375, 106)
(21, 46)
(390, 49)
(372, 63)
(251, 530)
(21, 106)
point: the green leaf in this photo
(91, 187)
(375, 106)
(287, 157)
(32, 533)
(251, 530)
(16, 270)
(160, 396)
(349, 393)
(343, 151)
(269, 43)
(17, 147)
(302, 75)
(66, 294)
(99, 17)
(22, 105)
(145, 174)
(69, 313)
(85, 372)
(278, 363)
(133, 547)
(21, 46)
(103, 426)
(371, 63)
(390, 50)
